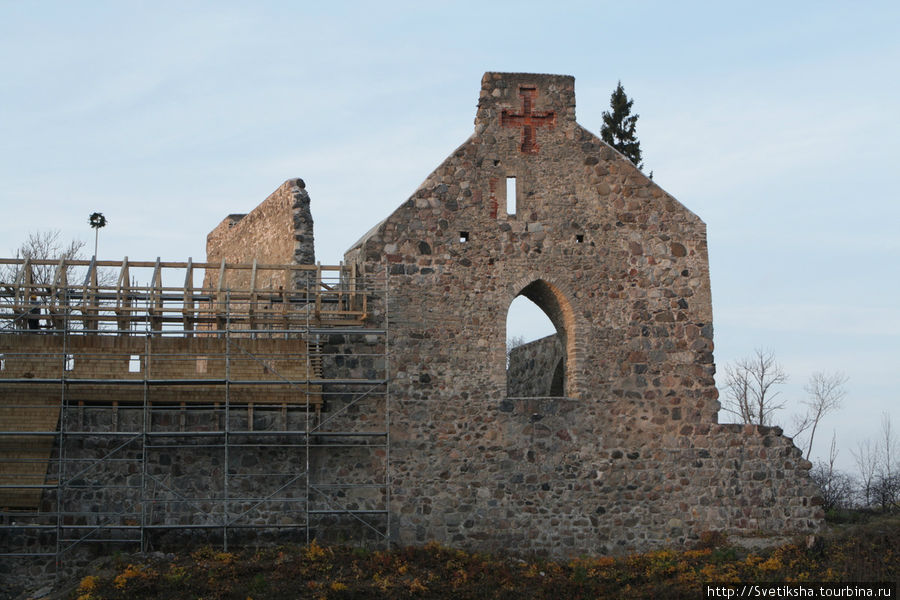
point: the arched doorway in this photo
(540, 343)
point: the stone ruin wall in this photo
(632, 458)
(185, 485)
(536, 369)
(278, 231)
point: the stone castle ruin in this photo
(282, 399)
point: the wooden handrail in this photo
(171, 264)
(252, 299)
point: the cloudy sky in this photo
(776, 122)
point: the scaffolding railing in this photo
(93, 296)
(136, 415)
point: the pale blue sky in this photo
(777, 123)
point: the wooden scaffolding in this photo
(102, 378)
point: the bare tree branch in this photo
(866, 457)
(511, 344)
(887, 481)
(887, 451)
(47, 245)
(42, 245)
(749, 385)
(825, 391)
(838, 488)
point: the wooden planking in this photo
(24, 460)
(258, 370)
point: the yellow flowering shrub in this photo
(87, 586)
(132, 572)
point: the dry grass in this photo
(861, 552)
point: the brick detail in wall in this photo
(528, 119)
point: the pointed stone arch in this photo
(553, 299)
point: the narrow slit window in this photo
(70, 362)
(134, 364)
(463, 237)
(511, 196)
(2, 362)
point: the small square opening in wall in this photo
(579, 238)
(134, 364)
(70, 362)
(463, 237)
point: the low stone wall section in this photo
(536, 369)
(540, 478)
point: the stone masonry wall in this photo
(278, 231)
(633, 457)
(177, 487)
(627, 456)
(184, 484)
(535, 369)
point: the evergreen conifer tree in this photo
(619, 125)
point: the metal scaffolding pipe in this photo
(155, 312)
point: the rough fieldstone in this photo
(621, 269)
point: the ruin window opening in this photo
(134, 364)
(539, 344)
(579, 238)
(511, 196)
(463, 237)
(70, 362)
(2, 362)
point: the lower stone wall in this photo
(174, 482)
(536, 369)
(564, 477)
(542, 479)
(550, 476)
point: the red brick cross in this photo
(528, 120)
